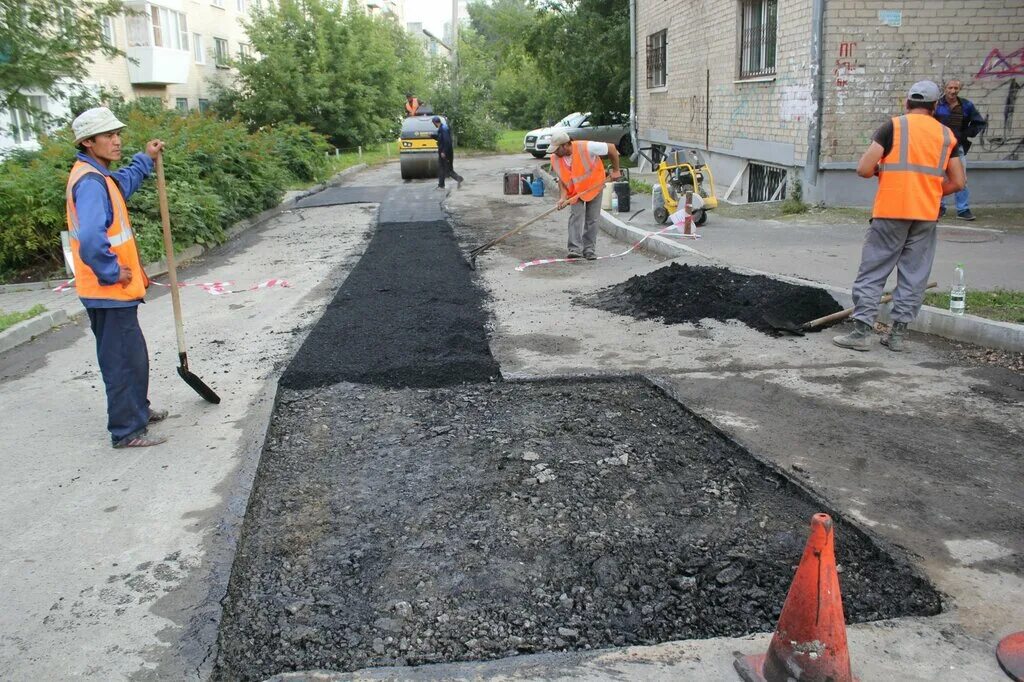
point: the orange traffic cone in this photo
(810, 640)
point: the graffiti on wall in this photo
(998, 65)
(1006, 142)
(846, 65)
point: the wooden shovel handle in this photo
(172, 272)
(843, 314)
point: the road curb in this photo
(29, 329)
(935, 321)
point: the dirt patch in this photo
(691, 293)
(408, 314)
(392, 527)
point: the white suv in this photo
(611, 128)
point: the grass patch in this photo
(640, 187)
(999, 304)
(10, 319)
(511, 141)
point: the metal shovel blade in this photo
(195, 382)
(778, 324)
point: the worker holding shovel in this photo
(108, 271)
(581, 179)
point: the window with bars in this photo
(757, 37)
(657, 44)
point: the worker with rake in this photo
(581, 178)
(108, 271)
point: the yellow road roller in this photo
(417, 150)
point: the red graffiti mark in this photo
(998, 65)
(846, 49)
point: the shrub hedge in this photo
(217, 173)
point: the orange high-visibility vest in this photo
(586, 176)
(411, 105)
(910, 176)
(122, 244)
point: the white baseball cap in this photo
(557, 140)
(93, 122)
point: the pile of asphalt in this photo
(393, 527)
(408, 314)
(691, 293)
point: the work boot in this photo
(965, 215)
(142, 439)
(157, 415)
(573, 254)
(858, 339)
(942, 211)
(896, 337)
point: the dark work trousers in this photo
(124, 364)
(446, 169)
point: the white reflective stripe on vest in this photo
(589, 165)
(902, 164)
(122, 237)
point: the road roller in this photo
(417, 150)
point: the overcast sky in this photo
(433, 13)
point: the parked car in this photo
(611, 128)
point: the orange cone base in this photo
(1010, 654)
(751, 668)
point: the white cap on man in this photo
(557, 140)
(93, 122)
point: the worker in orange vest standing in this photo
(108, 271)
(412, 104)
(581, 179)
(915, 159)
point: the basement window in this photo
(765, 183)
(757, 37)
(657, 44)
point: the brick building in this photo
(775, 90)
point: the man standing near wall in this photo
(108, 271)
(962, 117)
(915, 158)
(581, 179)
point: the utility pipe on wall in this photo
(811, 163)
(632, 77)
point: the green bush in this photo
(217, 173)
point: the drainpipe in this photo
(811, 163)
(632, 78)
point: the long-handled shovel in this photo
(515, 230)
(799, 329)
(191, 379)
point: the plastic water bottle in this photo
(615, 202)
(958, 291)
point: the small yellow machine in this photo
(681, 171)
(417, 150)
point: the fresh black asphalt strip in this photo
(411, 508)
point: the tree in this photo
(583, 49)
(342, 73)
(46, 43)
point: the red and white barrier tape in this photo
(212, 288)
(648, 235)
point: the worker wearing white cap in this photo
(581, 177)
(915, 159)
(108, 271)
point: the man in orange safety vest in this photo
(915, 159)
(581, 179)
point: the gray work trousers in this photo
(908, 246)
(583, 228)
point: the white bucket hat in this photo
(93, 122)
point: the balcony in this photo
(157, 65)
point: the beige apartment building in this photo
(778, 90)
(174, 49)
